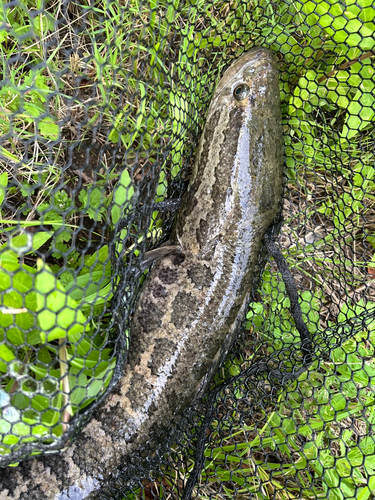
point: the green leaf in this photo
(40, 239)
(122, 199)
(94, 202)
(58, 314)
(26, 243)
(77, 385)
(51, 417)
(6, 355)
(49, 129)
(8, 257)
(97, 261)
(40, 402)
(87, 285)
(34, 338)
(16, 336)
(360, 114)
(3, 185)
(44, 355)
(81, 345)
(32, 110)
(43, 23)
(94, 388)
(367, 14)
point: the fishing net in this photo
(101, 109)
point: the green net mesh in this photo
(101, 109)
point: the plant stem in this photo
(65, 384)
(345, 65)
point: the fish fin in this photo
(152, 255)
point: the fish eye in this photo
(241, 91)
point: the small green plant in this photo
(54, 360)
(272, 314)
(50, 354)
(318, 439)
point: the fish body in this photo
(190, 306)
(193, 299)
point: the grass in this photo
(138, 78)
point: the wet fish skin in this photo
(193, 300)
(191, 303)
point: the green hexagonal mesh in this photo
(101, 107)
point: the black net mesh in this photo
(101, 108)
